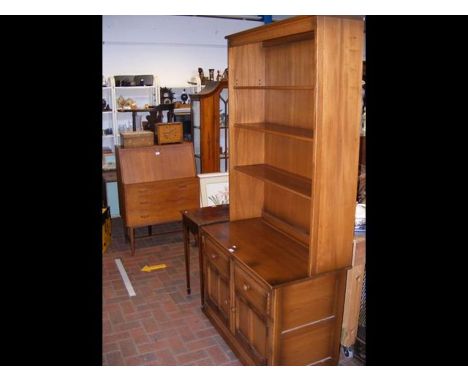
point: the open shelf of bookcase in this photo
(276, 129)
(296, 184)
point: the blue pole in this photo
(267, 19)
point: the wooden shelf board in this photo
(279, 87)
(286, 131)
(299, 185)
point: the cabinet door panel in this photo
(217, 292)
(251, 331)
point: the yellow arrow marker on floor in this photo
(149, 268)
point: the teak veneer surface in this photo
(282, 130)
(294, 183)
(275, 257)
(158, 162)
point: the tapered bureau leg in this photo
(200, 259)
(132, 241)
(187, 254)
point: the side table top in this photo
(207, 215)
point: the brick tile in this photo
(139, 339)
(166, 358)
(114, 359)
(141, 359)
(115, 337)
(207, 332)
(127, 307)
(217, 354)
(150, 325)
(138, 315)
(202, 362)
(110, 347)
(200, 343)
(191, 356)
(176, 345)
(127, 347)
(106, 326)
(125, 326)
(186, 334)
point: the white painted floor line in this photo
(126, 280)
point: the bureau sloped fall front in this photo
(275, 274)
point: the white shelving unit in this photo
(116, 120)
(142, 95)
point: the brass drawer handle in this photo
(213, 256)
(246, 287)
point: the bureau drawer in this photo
(216, 257)
(158, 202)
(252, 290)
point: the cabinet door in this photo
(251, 329)
(217, 291)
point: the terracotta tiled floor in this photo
(161, 325)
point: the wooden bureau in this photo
(275, 274)
(154, 184)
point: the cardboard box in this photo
(137, 138)
(169, 133)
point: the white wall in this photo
(171, 47)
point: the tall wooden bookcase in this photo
(275, 273)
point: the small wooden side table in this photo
(192, 220)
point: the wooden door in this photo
(216, 290)
(251, 329)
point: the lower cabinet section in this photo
(296, 323)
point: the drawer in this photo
(252, 290)
(216, 257)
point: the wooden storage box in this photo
(137, 138)
(106, 228)
(169, 133)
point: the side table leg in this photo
(187, 254)
(127, 238)
(132, 241)
(200, 259)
